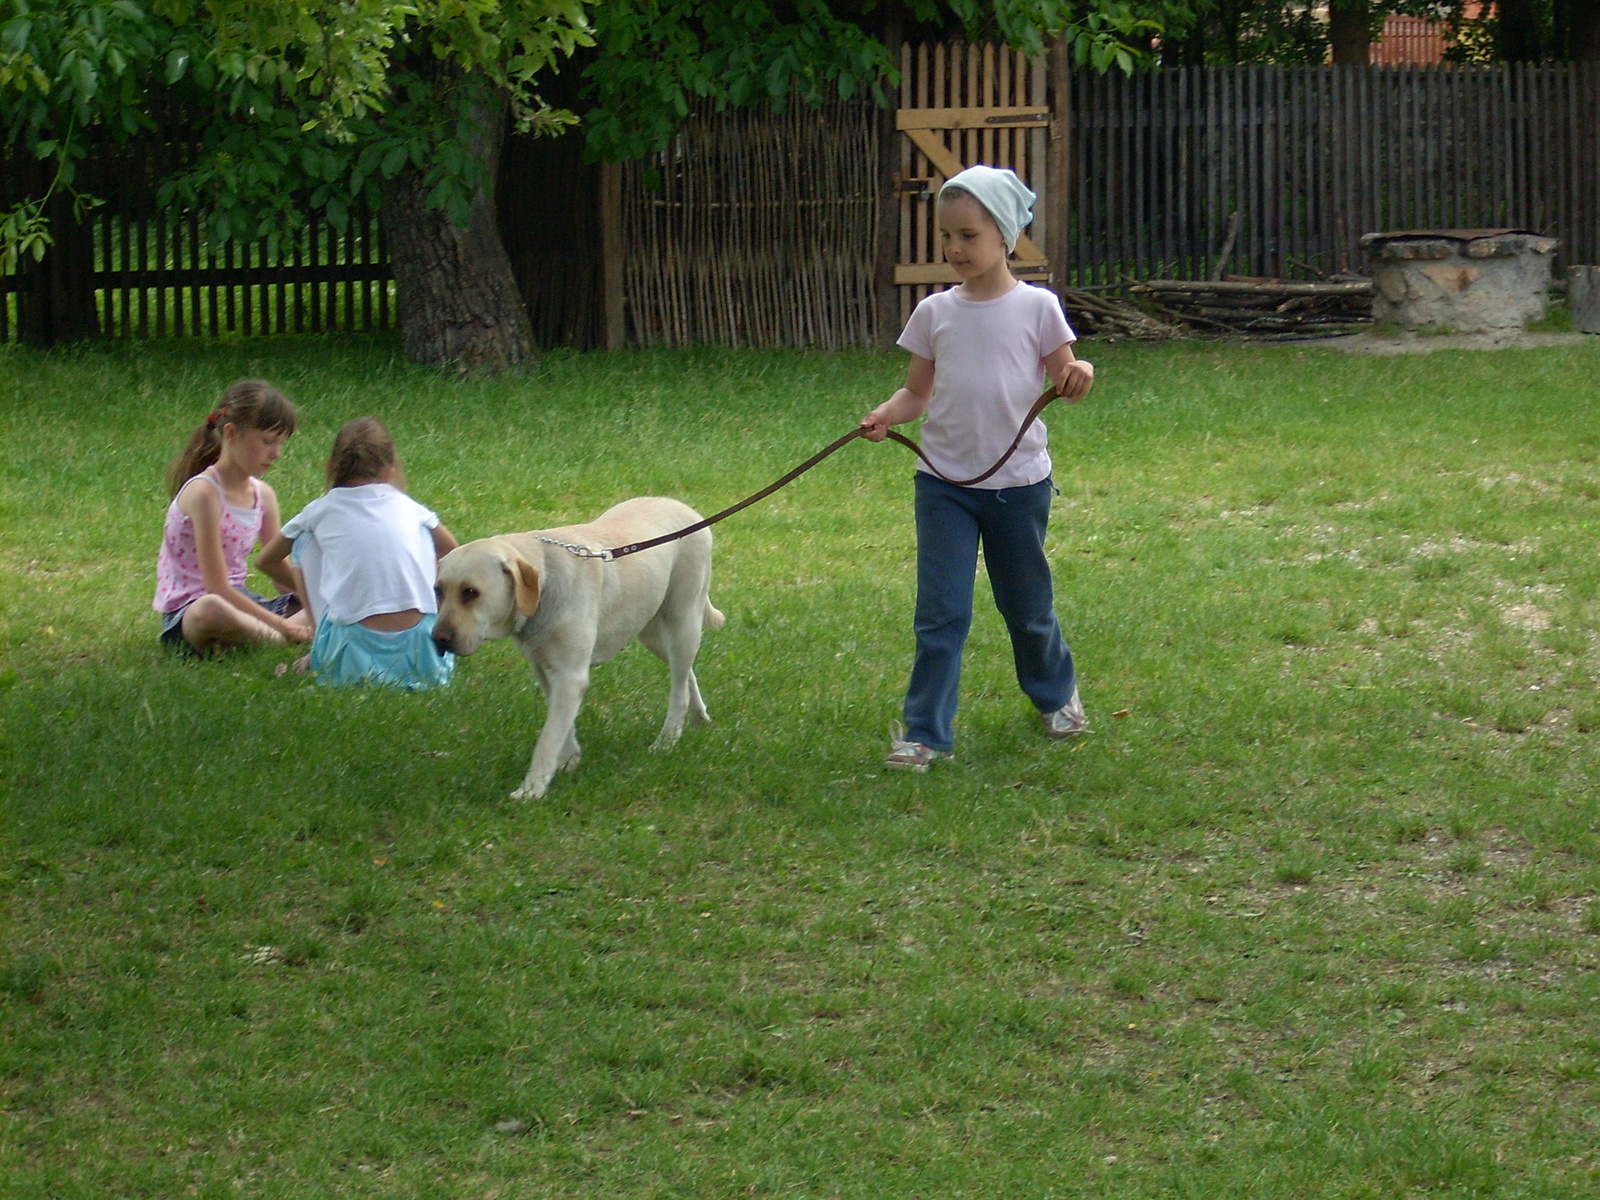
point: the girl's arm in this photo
(443, 541)
(1072, 376)
(907, 404)
(271, 530)
(201, 505)
(276, 561)
(273, 561)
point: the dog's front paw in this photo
(570, 763)
(530, 791)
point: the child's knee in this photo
(208, 612)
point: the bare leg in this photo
(211, 623)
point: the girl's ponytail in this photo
(363, 450)
(247, 404)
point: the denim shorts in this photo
(350, 654)
(172, 622)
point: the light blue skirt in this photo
(350, 654)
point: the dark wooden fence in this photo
(158, 277)
(765, 232)
(1310, 158)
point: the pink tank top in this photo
(178, 579)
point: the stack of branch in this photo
(1243, 304)
(1101, 315)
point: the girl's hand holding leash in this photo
(905, 405)
(1075, 380)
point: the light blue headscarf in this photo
(1005, 197)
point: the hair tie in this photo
(211, 421)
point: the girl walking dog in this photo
(220, 511)
(978, 354)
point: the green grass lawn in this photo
(1311, 914)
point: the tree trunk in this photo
(1583, 31)
(56, 300)
(1350, 31)
(885, 251)
(1519, 31)
(458, 300)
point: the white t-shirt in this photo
(365, 550)
(988, 358)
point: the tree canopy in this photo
(324, 98)
(400, 104)
(656, 58)
(327, 99)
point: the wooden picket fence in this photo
(160, 277)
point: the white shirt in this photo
(365, 550)
(988, 358)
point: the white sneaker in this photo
(1067, 720)
(911, 756)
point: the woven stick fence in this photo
(755, 230)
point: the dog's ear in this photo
(525, 578)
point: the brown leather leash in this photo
(836, 445)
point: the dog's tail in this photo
(713, 619)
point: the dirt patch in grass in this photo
(1388, 344)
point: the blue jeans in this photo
(1010, 523)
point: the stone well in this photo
(1471, 280)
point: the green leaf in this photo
(14, 36)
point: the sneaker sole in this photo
(919, 768)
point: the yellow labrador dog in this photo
(568, 613)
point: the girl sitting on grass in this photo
(220, 511)
(368, 555)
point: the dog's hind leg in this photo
(676, 642)
(697, 707)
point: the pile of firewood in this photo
(1099, 315)
(1241, 304)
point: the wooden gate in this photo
(961, 105)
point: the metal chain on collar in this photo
(578, 551)
(617, 552)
